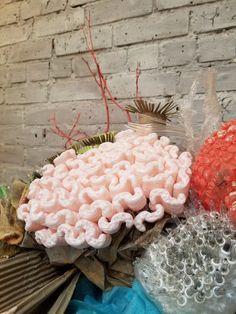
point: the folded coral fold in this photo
(81, 200)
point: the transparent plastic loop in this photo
(198, 267)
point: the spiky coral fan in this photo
(214, 171)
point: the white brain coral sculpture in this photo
(82, 199)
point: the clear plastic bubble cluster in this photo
(193, 269)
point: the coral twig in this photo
(138, 72)
(73, 133)
(100, 80)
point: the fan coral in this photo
(193, 269)
(82, 199)
(214, 171)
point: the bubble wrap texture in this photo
(193, 269)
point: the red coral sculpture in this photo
(214, 171)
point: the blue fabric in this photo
(88, 299)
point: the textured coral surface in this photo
(214, 171)
(82, 199)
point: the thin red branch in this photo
(70, 137)
(72, 131)
(102, 83)
(104, 99)
(99, 80)
(138, 72)
(116, 102)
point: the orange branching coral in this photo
(214, 171)
(74, 134)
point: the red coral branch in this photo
(138, 72)
(73, 133)
(101, 81)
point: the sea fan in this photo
(161, 112)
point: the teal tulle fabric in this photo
(88, 299)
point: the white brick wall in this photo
(9, 14)
(42, 72)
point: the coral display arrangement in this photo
(82, 199)
(113, 202)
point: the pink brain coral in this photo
(82, 199)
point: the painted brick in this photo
(38, 71)
(1, 96)
(75, 3)
(155, 26)
(10, 135)
(75, 90)
(187, 78)
(169, 4)
(123, 85)
(3, 56)
(213, 17)
(3, 76)
(113, 61)
(146, 56)
(30, 8)
(60, 68)
(31, 50)
(216, 47)
(118, 10)
(9, 14)
(225, 79)
(33, 136)
(100, 128)
(110, 62)
(12, 115)
(36, 157)
(10, 172)
(14, 33)
(230, 112)
(12, 154)
(91, 113)
(80, 68)
(17, 73)
(158, 84)
(59, 23)
(49, 6)
(40, 115)
(26, 94)
(75, 42)
(178, 52)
